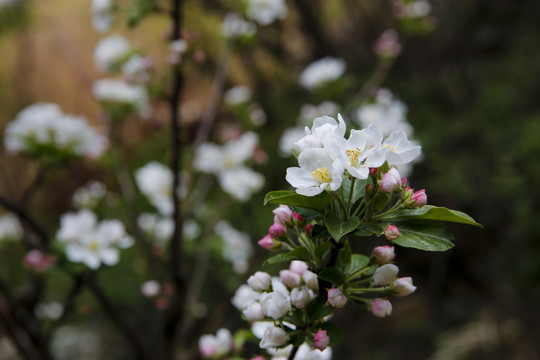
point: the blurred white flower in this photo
(216, 346)
(243, 295)
(110, 51)
(89, 195)
(178, 46)
(237, 247)
(305, 352)
(150, 288)
(160, 228)
(266, 12)
(90, 242)
(321, 72)
(234, 26)
(102, 18)
(308, 112)
(135, 69)
(241, 182)
(288, 139)
(237, 95)
(44, 125)
(119, 91)
(10, 227)
(155, 181)
(52, 310)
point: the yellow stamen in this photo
(389, 147)
(322, 175)
(353, 155)
(93, 246)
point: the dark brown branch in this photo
(27, 219)
(313, 28)
(293, 352)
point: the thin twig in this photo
(26, 218)
(293, 352)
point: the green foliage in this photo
(338, 228)
(425, 235)
(429, 212)
(291, 198)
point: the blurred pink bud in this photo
(260, 281)
(289, 278)
(161, 303)
(384, 254)
(199, 56)
(336, 298)
(391, 181)
(381, 308)
(321, 340)
(298, 219)
(276, 230)
(266, 242)
(391, 232)
(174, 58)
(258, 357)
(282, 214)
(403, 286)
(300, 297)
(167, 288)
(37, 261)
(385, 274)
(298, 266)
(418, 199)
(308, 229)
(260, 156)
(373, 172)
(404, 181)
(253, 311)
(387, 45)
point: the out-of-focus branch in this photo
(313, 28)
(68, 304)
(27, 219)
(293, 352)
(34, 186)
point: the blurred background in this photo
(469, 77)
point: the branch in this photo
(26, 218)
(293, 352)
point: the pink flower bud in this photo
(391, 181)
(298, 219)
(384, 254)
(311, 280)
(418, 199)
(403, 286)
(260, 281)
(308, 229)
(385, 275)
(381, 308)
(391, 232)
(336, 298)
(373, 172)
(289, 278)
(300, 297)
(253, 311)
(266, 242)
(298, 266)
(37, 261)
(258, 357)
(321, 340)
(404, 181)
(387, 45)
(282, 214)
(276, 230)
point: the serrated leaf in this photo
(369, 228)
(338, 228)
(291, 198)
(429, 212)
(333, 275)
(300, 253)
(334, 333)
(357, 262)
(425, 235)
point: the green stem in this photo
(351, 192)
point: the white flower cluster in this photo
(237, 247)
(266, 12)
(160, 228)
(227, 164)
(234, 26)
(308, 112)
(120, 92)
(155, 181)
(321, 72)
(89, 195)
(215, 346)
(237, 95)
(110, 51)
(102, 18)
(90, 242)
(325, 154)
(43, 126)
(10, 227)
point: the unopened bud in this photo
(383, 254)
(403, 286)
(391, 232)
(321, 340)
(381, 308)
(253, 311)
(391, 181)
(298, 266)
(298, 219)
(418, 199)
(289, 278)
(266, 242)
(336, 298)
(373, 172)
(300, 297)
(260, 281)
(282, 214)
(385, 275)
(407, 193)
(311, 280)
(276, 230)
(308, 229)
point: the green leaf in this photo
(344, 257)
(300, 253)
(338, 228)
(359, 188)
(322, 250)
(334, 333)
(429, 212)
(333, 275)
(357, 262)
(291, 198)
(317, 309)
(425, 235)
(369, 228)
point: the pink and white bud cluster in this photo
(286, 217)
(38, 261)
(283, 217)
(302, 281)
(391, 181)
(336, 298)
(216, 346)
(383, 254)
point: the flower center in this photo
(322, 175)
(353, 155)
(93, 246)
(389, 147)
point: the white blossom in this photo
(119, 91)
(289, 137)
(10, 227)
(110, 51)
(321, 72)
(213, 346)
(266, 12)
(155, 181)
(237, 95)
(399, 149)
(243, 295)
(308, 112)
(52, 310)
(89, 195)
(241, 182)
(273, 337)
(275, 304)
(159, 227)
(237, 247)
(234, 26)
(102, 18)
